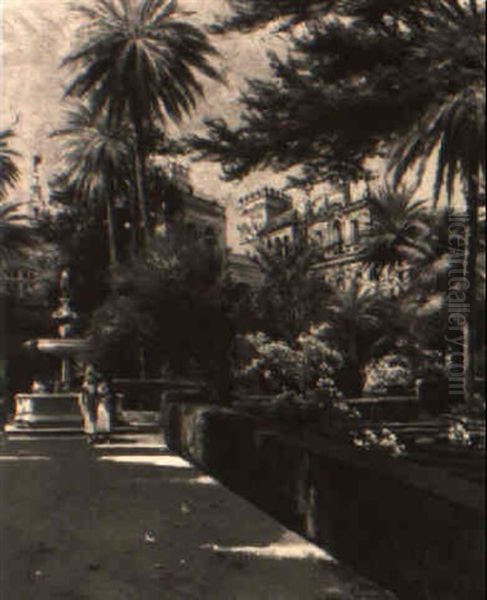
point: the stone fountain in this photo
(57, 408)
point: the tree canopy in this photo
(358, 77)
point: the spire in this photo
(36, 195)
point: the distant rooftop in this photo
(267, 193)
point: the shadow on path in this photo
(130, 520)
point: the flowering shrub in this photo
(389, 371)
(310, 366)
(459, 435)
(386, 440)
(347, 411)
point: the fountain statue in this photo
(58, 407)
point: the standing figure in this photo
(88, 402)
(104, 410)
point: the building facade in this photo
(200, 217)
(268, 217)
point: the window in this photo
(210, 237)
(337, 232)
(355, 231)
(373, 274)
(337, 237)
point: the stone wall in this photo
(414, 530)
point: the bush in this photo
(389, 373)
(167, 311)
(301, 372)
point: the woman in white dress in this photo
(104, 410)
(88, 402)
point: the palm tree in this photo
(9, 173)
(138, 62)
(15, 233)
(397, 224)
(450, 45)
(98, 164)
(422, 306)
(293, 293)
(403, 234)
(354, 326)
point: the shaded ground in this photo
(130, 521)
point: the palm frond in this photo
(9, 172)
(140, 61)
(17, 236)
(98, 156)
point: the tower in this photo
(258, 209)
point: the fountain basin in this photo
(62, 347)
(46, 410)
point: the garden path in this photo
(132, 521)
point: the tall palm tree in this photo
(450, 45)
(403, 234)
(9, 172)
(98, 164)
(139, 62)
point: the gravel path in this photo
(131, 521)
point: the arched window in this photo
(279, 247)
(286, 244)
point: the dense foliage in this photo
(275, 367)
(368, 79)
(292, 295)
(167, 314)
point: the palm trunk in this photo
(139, 168)
(141, 199)
(133, 219)
(469, 346)
(112, 243)
(356, 370)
